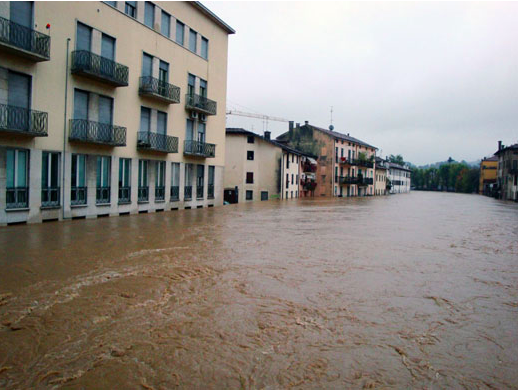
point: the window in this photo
(112, 3)
(145, 119)
(191, 79)
(163, 73)
(17, 172)
(189, 130)
(161, 125)
(210, 189)
(188, 182)
(50, 195)
(287, 180)
(249, 178)
(200, 173)
(143, 186)
(288, 161)
(193, 36)
(124, 180)
(201, 132)
(166, 24)
(292, 158)
(78, 178)
(297, 179)
(102, 195)
(160, 181)
(107, 51)
(149, 14)
(147, 65)
(286, 195)
(249, 195)
(180, 28)
(131, 8)
(264, 195)
(105, 110)
(204, 47)
(83, 37)
(203, 88)
(175, 181)
(250, 155)
(250, 139)
(18, 95)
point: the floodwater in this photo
(415, 290)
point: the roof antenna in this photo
(331, 127)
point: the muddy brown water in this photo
(406, 291)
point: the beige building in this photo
(507, 172)
(258, 168)
(133, 122)
(380, 182)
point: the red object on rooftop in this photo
(48, 25)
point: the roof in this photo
(213, 16)
(338, 135)
(492, 158)
(504, 149)
(241, 131)
(397, 166)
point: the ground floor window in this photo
(175, 181)
(102, 193)
(210, 185)
(50, 190)
(249, 195)
(143, 185)
(200, 173)
(264, 195)
(187, 191)
(78, 180)
(17, 173)
(160, 181)
(125, 180)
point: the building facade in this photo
(110, 108)
(345, 165)
(308, 177)
(488, 175)
(398, 177)
(380, 186)
(258, 168)
(507, 172)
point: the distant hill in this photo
(475, 163)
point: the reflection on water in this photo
(417, 290)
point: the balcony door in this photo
(105, 118)
(191, 81)
(161, 129)
(108, 55)
(147, 65)
(21, 13)
(18, 97)
(163, 77)
(84, 37)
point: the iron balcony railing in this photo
(97, 133)
(200, 103)
(78, 196)
(210, 191)
(102, 195)
(348, 180)
(365, 181)
(153, 87)
(158, 142)
(199, 192)
(92, 65)
(50, 197)
(23, 121)
(187, 193)
(17, 197)
(175, 193)
(30, 43)
(197, 148)
(365, 163)
(143, 194)
(160, 193)
(124, 195)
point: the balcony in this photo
(158, 89)
(200, 104)
(102, 195)
(50, 197)
(83, 130)
(160, 193)
(23, 121)
(199, 149)
(355, 161)
(124, 195)
(78, 196)
(348, 180)
(24, 41)
(308, 185)
(365, 181)
(307, 167)
(143, 194)
(88, 64)
(157, 142)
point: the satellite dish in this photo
(331, 127)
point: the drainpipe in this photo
(64, 134)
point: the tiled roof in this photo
(510, 147)
(238, 130)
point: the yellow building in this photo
(380, 183)
(488, 175)
(110, 108)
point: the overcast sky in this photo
(425, 80)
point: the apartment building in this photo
(380, 182)
(258, 168)
(345, 164)
(110, 108)
(308, 177)
(507, 172)
(488, 175)
(398, 177)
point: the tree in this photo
(396, 159)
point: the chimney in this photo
(290, 126)
(267, 135)
(306, 123)
(499, 145)
(298, 125)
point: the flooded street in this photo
(414, 290)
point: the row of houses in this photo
(499, 173)
(306, 161)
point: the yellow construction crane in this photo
(265, 118)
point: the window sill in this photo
(18, 209)
(174, 200)
(200, 198)
(78, 206)
(160, 201)
(143, 202)
(187, 200)
(124, 202)
(50, 207)
(103, 204)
